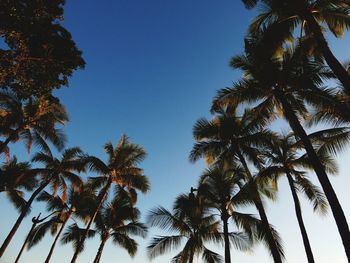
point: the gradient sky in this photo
(152, 69)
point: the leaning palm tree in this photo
(313, 17)
(121, 170)
(226, 191)
(283, 159)
(289, 85)
(55, 173)
(52, 219)
(33, 121)
(236, 138)
(190, 222)
(78, 205)
(15, 179)
(117, 221)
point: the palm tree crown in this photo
(33, 121)
(121, 170)
(190, 222)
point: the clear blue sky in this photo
(152, 69)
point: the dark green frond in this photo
(163, 244)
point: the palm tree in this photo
(78, 204)
(35, 221)
(230, 137)
(226, 191)
(116, 220)
(14, 178)
(283, 160)
(190, 221)
(313, 16)
(33, 121)
(121, 170)
(55, 173)
(286, 85)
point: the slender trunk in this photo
(58, 235)
(322, 176)
(81, 242)
(275, 252)
(35, 221)
(331, 60)
(224, 218)
(100, 249)
(191, 257)
(21, 217)
(308, 250)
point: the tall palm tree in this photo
(283, 159)
(312, 16)
(15, 178)
(286, 85)
(121, 170)
(78, 204)
(226, 192)
(231, 137)
(33, 121)
(116, 220)
(55, 173)
(192, 222)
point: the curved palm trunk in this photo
(322, 176)
(224, 219)
(308, 250)
(81, 242)
(331, 60)
(100, 249)
(21, 217)
(27, 238)
(275, 252)
(48, 258)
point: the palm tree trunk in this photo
(322, 176)
(100, 249)
(81, 242)
(58, 235)
(21, 217)
(27, 238)
(224, 218)
(307, 246)
(191, 257)
(331, 60)
(275, 252)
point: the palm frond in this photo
(209, 256)
(163, 244)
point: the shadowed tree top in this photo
(39, 54)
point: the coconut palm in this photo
(55, 173)
(283, 159)
(33, 121)
(78, 204)
(236, 138)
(313, 17)
(288, 86)
(15, 178)
(121, 170)
(226, 192)
(116, 220)
(190, 222)
(36, 220)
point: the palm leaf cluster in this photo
(104, 204)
